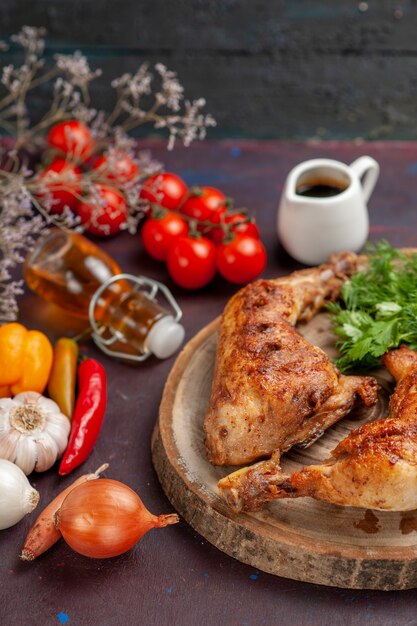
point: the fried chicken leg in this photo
(273, 389)
(374, 467)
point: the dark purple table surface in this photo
(174, 576)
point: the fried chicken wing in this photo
(273, 389)
(374, 467)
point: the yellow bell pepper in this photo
(25, 360)
(12, 348)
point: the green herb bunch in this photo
(378, 308)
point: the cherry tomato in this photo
(241, 260)
(166, 189)
(103, 213)
(61, 179)
(119, 166)
(192, 262)
(73, 138)
(239, 225)
(159, 234)
(205, 204)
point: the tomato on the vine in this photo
(237, 223)
(73, 138)
(119, 166)
(205, 204)
(103, 213)
(166, 189)
(192, 262)
(241, 260)
(61, 180)
(160, 233)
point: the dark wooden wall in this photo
(268, 68)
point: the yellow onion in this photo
(104, 518)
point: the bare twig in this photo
(30, 202)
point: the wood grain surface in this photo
(174, 575)
(268, 68)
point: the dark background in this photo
(174, 577)
(333, 69)
(268, 68)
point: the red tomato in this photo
(241, 260)
(192, 262)
(166, 189)
(73, 138)
(117, 166)
(61, 179)
(103, 213)
(238, 225)
(205, 204)
(159, 234)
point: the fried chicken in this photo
(273, 389)
(375, 466)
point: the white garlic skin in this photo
(34, 448)
(17, 497)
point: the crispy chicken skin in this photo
(272, 388)
(374, 467)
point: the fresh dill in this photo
(377, 310)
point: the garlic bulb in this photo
(33, 431)
(17, 497)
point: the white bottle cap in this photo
(165, 337)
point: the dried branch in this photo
(28, 204)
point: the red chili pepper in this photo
(88, 415)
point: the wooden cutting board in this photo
(300, 539)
